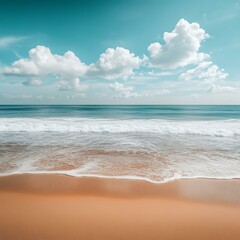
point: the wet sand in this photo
(61, 207)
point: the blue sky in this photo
(119, 52)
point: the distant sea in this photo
(157, 143)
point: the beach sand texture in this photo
(62, 207)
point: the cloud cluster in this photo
(206, 71)
(181, 46)
(124, 92)
(42, 62)
(114, 64)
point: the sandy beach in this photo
(63, 207)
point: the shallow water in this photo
(156, 143)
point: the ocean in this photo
(157, 143)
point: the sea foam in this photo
(221, 128)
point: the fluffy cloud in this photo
(42, 63)
(206, 71)
(68, 69)
(115, 63)
(124, 92)
(181, 46)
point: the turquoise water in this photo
(173, 112)
(155, 143)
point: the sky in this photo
(119, 52)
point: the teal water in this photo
(174, 112)
(155, 143)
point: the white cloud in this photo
(220, 89)
(209, 79)
(124, 92)
(9, 40)
(68, 69)
(181, 46)
(42, 63)
(115, 63)
(206, 71)
(72, 84)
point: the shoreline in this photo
(49, 207)
(196, 189)
(122, 177)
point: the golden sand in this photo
(60, 207)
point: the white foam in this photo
(73, 173)
(221, 128)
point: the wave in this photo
(221, 128)
(72, 173)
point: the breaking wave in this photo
(220, 128)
